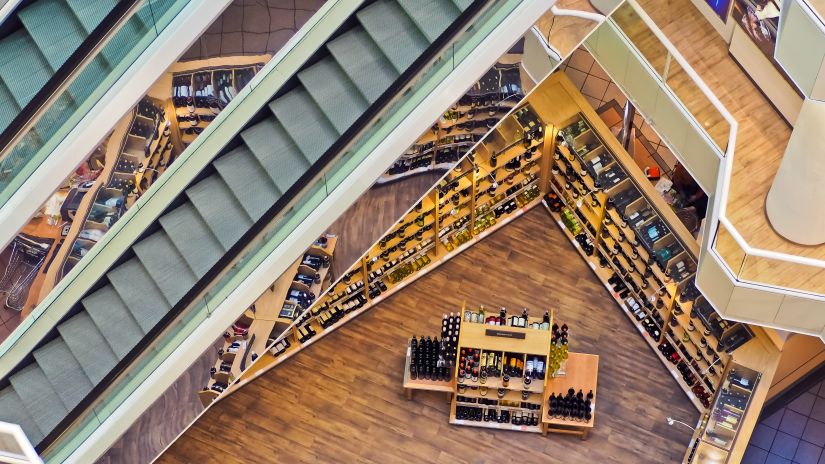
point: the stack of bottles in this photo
(558, 347)
(573, 406)
(429, 359)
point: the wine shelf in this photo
(437, 148)
(256, 326)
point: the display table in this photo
(582, 374)
(424, 384)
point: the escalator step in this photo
(11, 411)
(54, 28)
(88, 346)
(192, 237)
(219, 209)
(276, 151)
(91, 12)
(115, 321)
(124, 40)
(305, 122)
(38, 396)
(89, 79)
(463, 4)
(249, 183)
(165, 265)
(64, 372)
(432, 17)
(334, 93)
(364, 63)
(394, 32)
(139, 293)
(23, 68)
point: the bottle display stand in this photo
(582, 373)
(518, 343)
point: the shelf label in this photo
(505, 334)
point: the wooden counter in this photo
(582, 374)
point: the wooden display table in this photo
(582, 374)
(424, 384)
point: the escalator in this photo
(298, 132)
(49, 32)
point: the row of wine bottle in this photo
(522, 321)
(476, 414)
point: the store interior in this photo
(564, 209)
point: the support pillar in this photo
(796, 200)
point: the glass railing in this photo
(672, 72)
(287, 224)
(87, 87)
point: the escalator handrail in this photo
(65, 75)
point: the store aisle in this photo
(341, 399)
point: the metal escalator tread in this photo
(394, 32)
(34, 388)
(276, 151)
(433, 17)
(114, 320)
(91, 12)
(463, 4)
(23, 68)
(8, 107)
(192, 237)
(10, 411)
(249, 183)
(334, 92)
(139, 293)
(219, 209)
(54, 28)
(64, 372)
(88, 346)
(305, 123)
(365, 63)
(165, 265)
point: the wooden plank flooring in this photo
(341, 399)
(373, 214)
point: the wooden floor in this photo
(373, 214)
(341, 400)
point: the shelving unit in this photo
(264, 321)
(516, 341)
(462, 126)
(201, 93)
(582, 374)
(633, 241)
